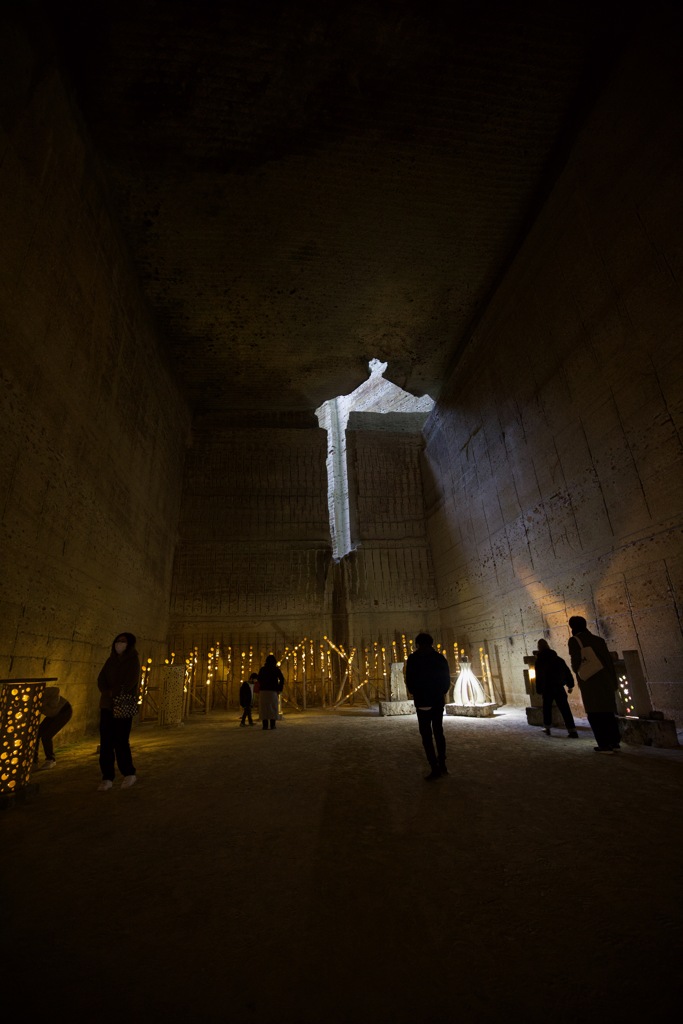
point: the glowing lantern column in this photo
(20, 702)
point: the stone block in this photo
(397, 685)
(396, 707)
(475, 711)
(647, 732)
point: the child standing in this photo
(247, 698)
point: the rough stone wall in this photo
(94, 430)
(553, 458)
(390, 585)
(254, 553)
(254, 569)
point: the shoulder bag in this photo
(590, 663)
(125, 705)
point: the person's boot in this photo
(573, 734)
(265, 723)
(442, 766)
(272, 723)
(435, 773)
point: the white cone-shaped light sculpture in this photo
(468, 691)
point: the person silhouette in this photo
(120, 676)
(552, 675)
(427, 681)
(598, 683)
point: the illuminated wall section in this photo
(554, 463)
(94, 428)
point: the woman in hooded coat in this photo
(120, 675)
(271, 682)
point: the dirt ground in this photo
(310, 874)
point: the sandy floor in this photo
(311, 875)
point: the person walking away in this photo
(427, 681)
(57, 711)
(270, 683)
(247, 698)
(597, 677)
(552, 675)
(120, 675)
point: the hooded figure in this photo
(552, 675)
(120, 674)
(121, 671)
(270, 683)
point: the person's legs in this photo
(424, 721)
(272, 723)
(45, 733)
(124, 757)
(49, 728)
(565, 710)
(251, 720)
(107, 744)
(600, 724)
(244, 715)
(547, 708)
(440, 739)
(614, 731)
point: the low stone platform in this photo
(474, 711)
(637, 732)
(396, 707)
(649, 732)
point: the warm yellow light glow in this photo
(20, 704)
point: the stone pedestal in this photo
(397, 682)
(396, 707)
(471, 711)
(647, 732)
(171, 687)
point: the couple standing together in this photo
(267, 685)
(597, 677)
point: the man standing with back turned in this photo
(427, 681)
(597, 676)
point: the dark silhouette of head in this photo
(542, 645)
(577, 623)
(424, 640)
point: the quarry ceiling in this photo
(304, 186)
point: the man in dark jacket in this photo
(552, 675)
(598, 684)
(427, 681)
